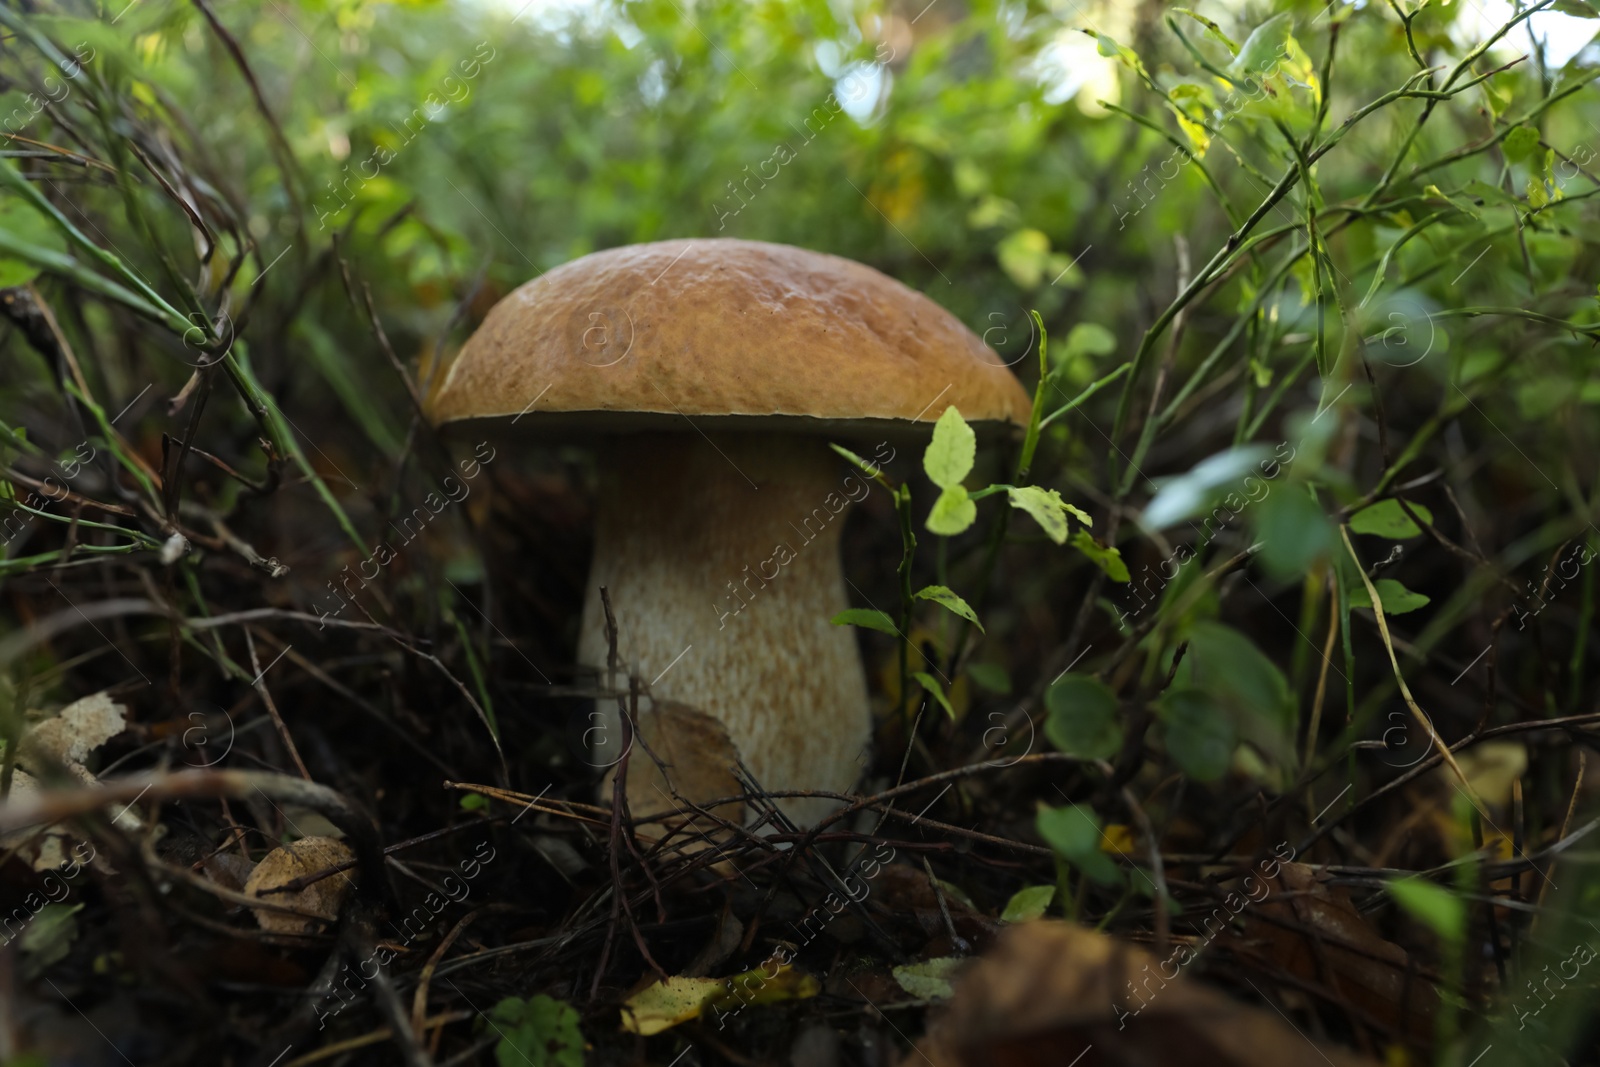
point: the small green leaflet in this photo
(927, 682)
(26, 228)
(1029, 903)
(947, 599)
(1434, 905)
(1112, 50)
(1242, 679)
(871, 618)
(1213, 31)
(1083, 718)
(1388, 519)
(1293, 532)
(1074, 834)
(1520, 144)
(1266, 44)
(537, 1032)
(951, 453)
(48, 939)
(1396, 598)
(1088, 338)
(1047, 509)
(990, 676)
(1103, 556)
(1200, 734)
(953, 512)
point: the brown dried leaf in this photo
(902, 894)
(1049, 990)
(73, 733)
(696, 756)
(290, 862)
(1315, 932)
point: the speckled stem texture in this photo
(721, 558)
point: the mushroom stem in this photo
(721, 557)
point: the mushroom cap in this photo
(742, 333)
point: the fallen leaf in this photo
(696, 757)
(73, 733)
(63, 741)
(293, 861)
(929, 979)
(51, 848)
(1315, 932)
(902, 897)
(1118, 839)
(1050, 990)
(663, 1005)
(228, 869)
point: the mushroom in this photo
(715, 373)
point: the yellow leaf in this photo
(1492, 767)
(1198, 136)
(666, 1004)
(1118, 838)
(758, 987)
(679, 999)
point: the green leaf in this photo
(929, 979)
(951, 453)
(1089, 339)
(1111, 49)
(953, 512)
(990, 676)
(1047, 509)
(25, 226)
(1239, 676)
(1520, 144)
(1213, 31)
(1388, 519)
(1029, 903)
(538, 1032)
(474, 802)
(1396, 598)
(1200, 735)
(947, 599)
(1103, 556)
(1443, 911)
(1496, 98)
(1264, 48)
(1025, 257)
(48, 938)
(871, 618)
(928, 682)
(1293, 531)
(1083, 718)
(1074, 834)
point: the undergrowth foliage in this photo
(1304, 595)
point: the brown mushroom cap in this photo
(728, 330)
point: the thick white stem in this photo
(721, 559)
